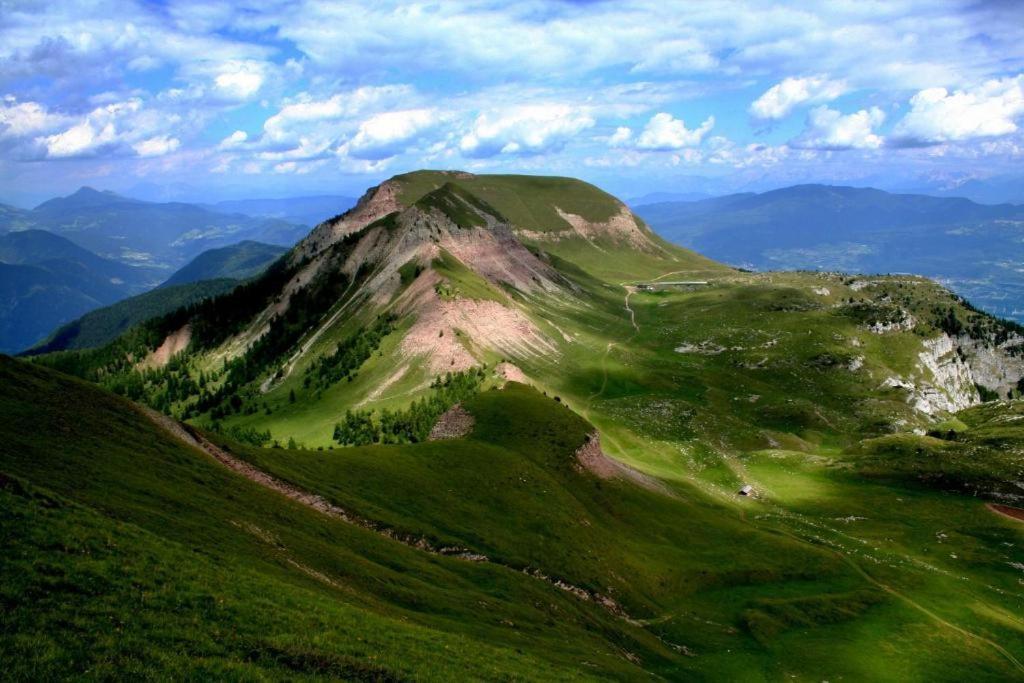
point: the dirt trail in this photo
(1016, 514)
(912, 603)
(192, 438)
(632, 314)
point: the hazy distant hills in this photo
(974, 248)
(309, 211)
(164, 235)
(46, 279)
(237, 262)
(211, 273)
(997, 190)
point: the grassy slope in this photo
(731, 580)
(130, 552)
(530, 202)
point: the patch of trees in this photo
(246, 435)
(412, 425)
(349, 355)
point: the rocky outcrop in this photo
(951, 370)
(377, 203)
(905, 323)
(950, 374)
(455, 423)
(996, 367)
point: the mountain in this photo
(46, 280)
(492, 426)
(973, 248)
(999, 189)
(135, 232)
(212, 273)
(661, 197)
(13, 218)
(237, 262)
(103, 325)
(300, 210)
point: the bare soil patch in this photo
(175, 343)
(590, 458)
(1007, 511)
(454, 424)
(442, 326)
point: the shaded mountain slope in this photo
(104, 325)
(236, 261)
(46, 280)
(211, 273)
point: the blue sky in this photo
(278, 98)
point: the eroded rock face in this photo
(997, 367)
(374, 205)
(951, 370)
(950, 374)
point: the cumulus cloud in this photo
(829, 129)
(531, 129)
(156, 146)
(665, 132)
(240, 80)
(96, 131)
(295, 118)
(234, 140)
(115, 127)
(938, 116)
(780, 99)
(385, 135)
(20, 119)
(622, 136)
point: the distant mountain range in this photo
(308, 211)
(661, 197)
(160, 235)
(47, 281)
(973, 248)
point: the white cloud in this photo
(832, 130)
(20, 119)
(665, 132)
(529, 129)
(295, 118)
(621, 137)
(233, 140)
(680, 55)
(97, 130)
(240, 80)
(119, 126)
(385, 135)
(938, 116)
(780, 99)
(156, 146)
